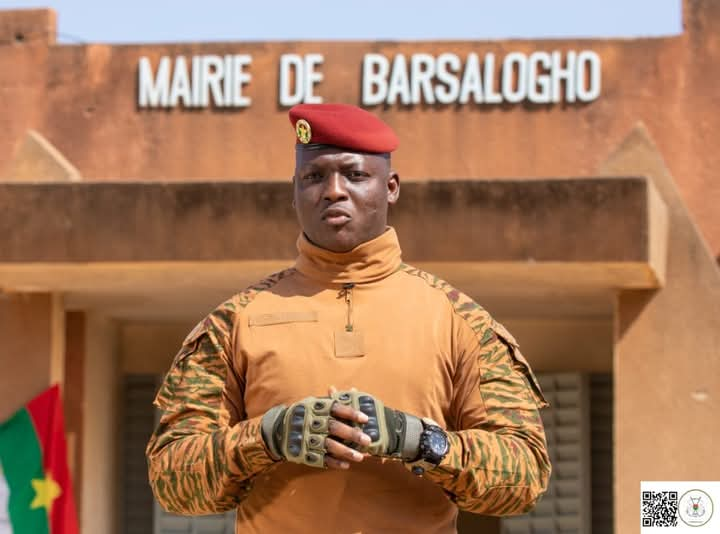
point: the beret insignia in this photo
(303, 131)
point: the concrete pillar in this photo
(74, 398)
(101, 441)
(667, 354)
(32, 327)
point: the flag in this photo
(36, 494)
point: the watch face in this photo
(438, 443)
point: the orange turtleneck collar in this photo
(368, 262)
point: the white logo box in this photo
(693, 503)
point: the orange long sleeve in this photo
(201, 457)
(498, 465)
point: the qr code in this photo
(659, 508)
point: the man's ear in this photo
(393, 187)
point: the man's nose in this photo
(335, 188)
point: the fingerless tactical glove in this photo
(392, 432)
(298, 433)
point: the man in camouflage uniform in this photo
(351, 392)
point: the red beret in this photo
(342, 125)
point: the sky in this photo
(133, 21)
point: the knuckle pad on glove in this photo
(306, 427)
(376, 427)
(367, 406)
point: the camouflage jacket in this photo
(444, 358)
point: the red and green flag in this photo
(35, 489)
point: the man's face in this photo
(341, 197)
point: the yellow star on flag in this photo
(46, 491)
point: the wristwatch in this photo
(434, 445)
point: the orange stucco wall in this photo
(83, 99)
(29, 327)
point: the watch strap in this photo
(423, 464)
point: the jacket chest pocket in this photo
(287, 357)
(285, 338)
(274, 318)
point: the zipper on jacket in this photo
(347, 293)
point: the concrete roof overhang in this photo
(174, 250)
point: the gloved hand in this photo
(392, 432)
(300, 433)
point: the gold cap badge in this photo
(303, 131)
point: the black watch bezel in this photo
(426, 453)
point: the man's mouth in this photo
(334, 216)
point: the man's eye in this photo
(313, 176)
(357, 174)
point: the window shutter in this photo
(566, 505)
(166, 523)
(601, 431)
(138, 423)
